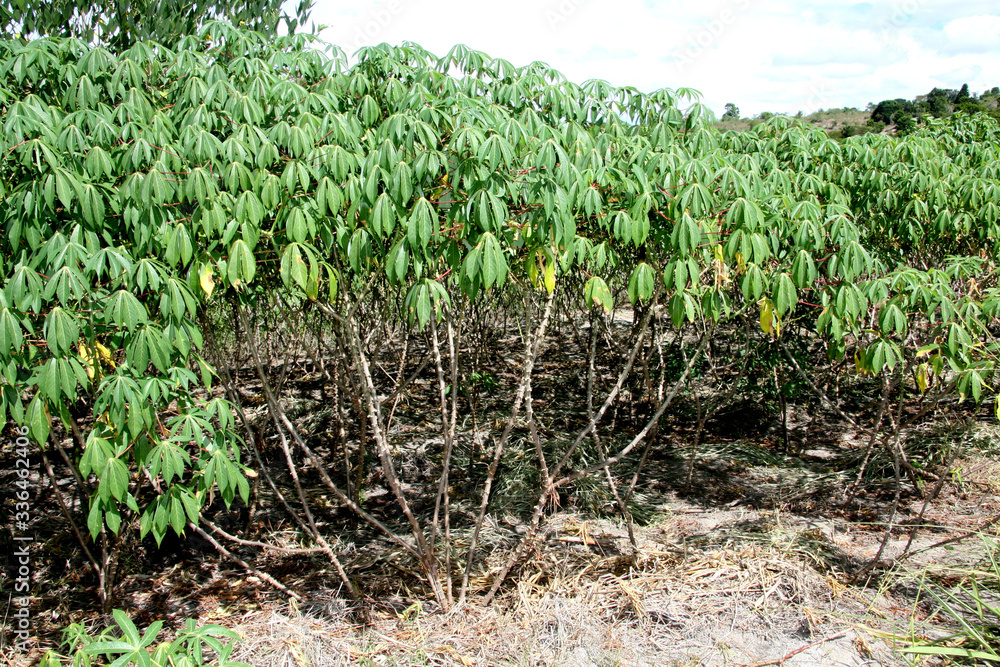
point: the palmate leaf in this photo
(11, 337)
(242, 265)
(425, 298)
(92, 205)
(804, 269)
(493, 263)
(683, 306)
(68, 284)
(179, 247)
(398, 262)
(596, 293)
(177, 299)
(421, 224)
(383, 216)
(113, 480)
(641, 283)
(686, 235)
(24, 289)
(298, 263)
(60, 377)
(61, 331)
(487, 210)
(784, 295)
(149, 345)
(124, 310)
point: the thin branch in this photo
(247, 566)
(533, 346)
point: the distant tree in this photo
(904, 122)
(732, 112)
(121, 23)
(938, 103)
(963, 94)
(971, 107)
(886, 110)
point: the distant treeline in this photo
(939, 103)
(898, 114)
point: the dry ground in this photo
(729, 586)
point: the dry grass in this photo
(743, 592)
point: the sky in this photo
(781, 56)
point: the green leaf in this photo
(784, 295)
(177, 515)
(129, 631)
(113, 480)
(113, 518)
(383, 217)
(804, 269)
(124, 310)
(92, 205)
(398, 262)
(641, 283)
(11, 337)
(293, 267)
(494, 264)
(38, 420)
(61, 331)
(359, 250)
(596, 293)
(421, 225)
(892, 320)
(242, 265)
(95, 518)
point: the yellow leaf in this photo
(105, 354)
(770, 321)
(207, 281)
(766, 316)
(922, 378)
(88, 361)
(550, 275)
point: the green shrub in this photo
(121, 645)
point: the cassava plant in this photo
(393, 211)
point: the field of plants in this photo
(379, 327)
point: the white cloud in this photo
(764, 55)
(973, 34)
